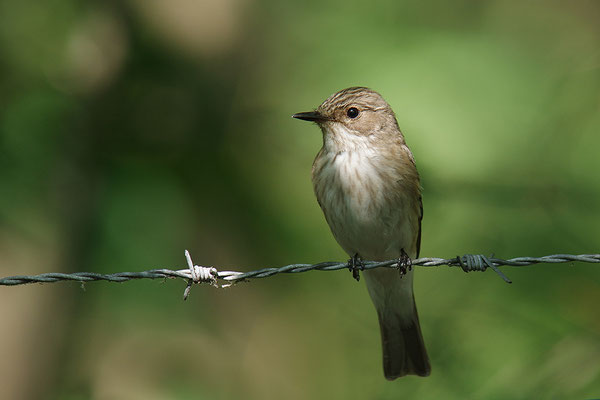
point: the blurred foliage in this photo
(130, 131)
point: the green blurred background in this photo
(130, 131)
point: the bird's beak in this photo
(314, 116)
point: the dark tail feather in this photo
(403, 347)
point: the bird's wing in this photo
(420, 219)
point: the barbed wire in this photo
(198, 274)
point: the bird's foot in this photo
(356, 265)
(404, 263)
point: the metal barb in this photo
(198, 274)
(479, 262)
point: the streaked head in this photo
(357, 110)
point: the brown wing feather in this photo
(419, 234)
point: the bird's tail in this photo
(401, 339)
(402, 342)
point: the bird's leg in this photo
(356, 265)
(404, 263)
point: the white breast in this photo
(361, 198)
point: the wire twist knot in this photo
(479, 262)
(199, 274)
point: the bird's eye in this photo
(352, 112)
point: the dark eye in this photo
(352, 112)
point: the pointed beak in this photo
(313, 116)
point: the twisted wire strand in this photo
(198, 274)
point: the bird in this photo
(368, 187)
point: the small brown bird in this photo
(367, 185)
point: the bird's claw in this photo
(404, 263)
(356, 265)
